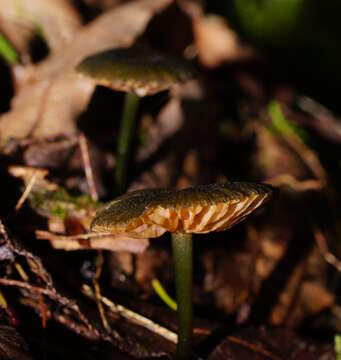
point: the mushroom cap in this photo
(137, 69)
(151, 212)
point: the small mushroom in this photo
(139, 72)
(151, 212)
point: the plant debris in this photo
(266, 289)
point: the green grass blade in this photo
(7, 51)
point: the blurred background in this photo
(264, 106)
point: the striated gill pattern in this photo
(151, 212)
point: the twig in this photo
(79, 329)
(51, 294)
(3, 301)
(327, 255)
(46, 235)
(308, 156)
(69, 322)
(21, 272)
(26, 192)
(99, 267)
(134, 317)
(297, 185)
(47, 85)
(253, 347)
(3, 231)
(42, 310)
(48, 292)
(103, 241)
(83, 144)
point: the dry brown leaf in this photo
(26, 173)
(299, 186)
(270, 253)
(311, 299)
(86, 241)
(20, 19)
(154, 262)
(52, 153)
(42, 285)
(165, 129)
(315, 297)
(159, 175)
(276, 158)
(320, 118)
(227, 278)
(76, 221)
(103, 4)
(11, 249)
(271, 344)
(51, 99)
(12, 345)
(280, 311)
(190, 171)
(216, 42)
(168, 122)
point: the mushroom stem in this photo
(124, 140)
(182, 254)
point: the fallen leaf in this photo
(20, 20)
(10, 249)
(12, 345)
(54, 95)
(102, 4)
(271, 344)
(32, 292)
(49, 154)
(281, 310)
(167, 123)
(69, 216)
(227, 278)
(216, 42)
(92, 242)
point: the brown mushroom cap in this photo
(137, 69)
(151, 212)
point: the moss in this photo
(60, 203)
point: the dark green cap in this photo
(137, 69)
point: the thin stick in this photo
(308, 156)
(26, 193)
(43, 234)
(42, 310)
(68, 321)
(327, 255)
(3, 301)
(99, 267)
(253, 347)
(297, 185)
(83, 144)
(133, 316)
(105, 241)
(21, 271)
(50, 293)
(46, 88)
(23, 285)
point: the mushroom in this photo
(150, 213)
(139, 72)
